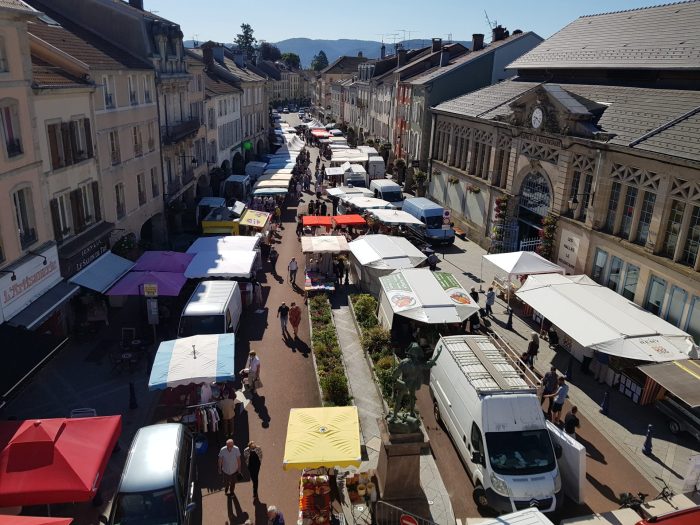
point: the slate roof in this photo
(270, 69)
(246, 74)
(217, 85)
(344, 65)
(84, 45)
(16, 5)
(45, 75)
(631, 112)
(661, 37)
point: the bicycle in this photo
(666, 492)
(631, 501)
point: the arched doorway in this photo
(238, 166)
(534, 204)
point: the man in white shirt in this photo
(253, 367)
(293, 267)
(229, 465)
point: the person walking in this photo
(312, 207)
(300, 226)
(549, 386)
(490, 301)
(228, 412)
(299, 188)
(293, 267)
(283, 314)
(324, 208)
(274, 516)
(253, 455)
(273, 255)
(252, 367)
(278, 215)
(572, 422)
(295, 318)
(559, 397)
(229, 466)
(533, 348)
(474, 295)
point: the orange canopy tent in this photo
(349, 220)
(317, 220)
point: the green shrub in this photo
(365, 308)
(376, 341)
(385, 363)
(335, 388)
(386, 382)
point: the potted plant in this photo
(471, 188)
(452, 179)
(420, 178)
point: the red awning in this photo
(33, 520)
(48, 461)
(317, 220)
(349, 220)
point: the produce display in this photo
(314, 500)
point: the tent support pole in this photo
(481, 275)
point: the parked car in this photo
(680, 416)
(285, 110)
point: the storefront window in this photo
(615, 274)
(601, 259)
(631, 279)
(655, 295)
(673, 228)
(676, 305)
(628, 212)
(645, 217)
(692, 241)
(693, 323)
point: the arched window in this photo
(535, 195)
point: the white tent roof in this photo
(324, 244)
(103, 272)
(598, 318)
(225, 243)
(315, 124)
(384, 251)
(272, 184)
(367, 203)
(429, 297)
(229, 263)
(394, 217)
(278, 176)
(356, 168)
(334, 172)
(523, 263)
(342, 191)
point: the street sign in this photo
(152, 311)
(445, 214)
(407, 520)
(150, 290)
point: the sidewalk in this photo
(371, 407)
(626, 424)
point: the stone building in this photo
(598, 137)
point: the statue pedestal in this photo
(398, 471)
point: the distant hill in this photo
(306, 48)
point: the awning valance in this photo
(38, 311)
(102, 273)
(324, 244)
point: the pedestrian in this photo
(274, 516)
(334, 204)
(474, 295)
(533, 348)
(571, 422)
(300, 226)
(283, 314)
(346, 265)
(299, 190)
(229, 466)
(549, 385)
(295, 318)
(490, 301)
(587, 358)
(312, 207)
(293, 267)
(228, 412)
(559, 396)
(432, 261)
(324, 208)
(278, 215)
(252, 371)
(253, 455)
(273, 260)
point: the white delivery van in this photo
(490, 409)
(376, 169)
(355, 175)
(214, 308)
(387, 190)
(206, 204)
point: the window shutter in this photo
(88, 138)
(76, 204)
(96, 200)
(67, 148)
(55, 220)
(74, 142)
(54, 146)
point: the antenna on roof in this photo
(488, 21)
(194, 40)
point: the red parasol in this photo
(317, 220)
(349, 220)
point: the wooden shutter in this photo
(67, 148)
(88, 138)
(74, 142)
(55, 220)
(54, 146)
(76, 205)
(96, 200)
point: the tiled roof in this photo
(16, 5)
(425, 54)
(45, 75)
(84, 45)
(344, 65)
(270, 69)
(455, 63)
(661, 37)
(216, 85)
(631, 112)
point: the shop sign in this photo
(150, 290)
(32, 279)
(399, 292)
(72, 265)
(453, 289)
(568, 251)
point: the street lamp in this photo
(45, 262)
(13, 278)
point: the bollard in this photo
(132, 396)
(509, 324)
(646, 449)
(570, 369)
(604, 406)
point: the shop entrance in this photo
(535, 203)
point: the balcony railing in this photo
(177, 132)
(116, 157)
(14, 147)
(109, 100)
(147, 97)
(133, 98)
(151, 144)
(138, 149)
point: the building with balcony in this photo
(598, 137)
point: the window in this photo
(645, 214)
(69, 142)
(476, 440)
(631, 279)
(133, 94)
(109, 92)
(147, 90)
(62, 219)
(151, 136)
(141, 185)
(655, 295)
(24, 213)
(9, 115)
(599, 262)
(676, 305)
(673, 228)
(612, 207)
(692, 241)
(119, 199)
(615, 274)
(692, 325)
(628, 212)
(138, 141)
(155, 187)
(4, 66)
(114, 147)
(86, 198)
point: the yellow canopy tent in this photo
(322, 437)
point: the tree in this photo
(292, 60)
(246, 41)
(269, 51)
(319, 61)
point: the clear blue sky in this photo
(275, 20)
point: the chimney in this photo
(382, 51)
(212, 51)
(400, 57)
(239, 58)
(138, 4)
(207, 55)
(499, 33)
(218, 53)
(444, 56)
(477, 41)
(437, 45)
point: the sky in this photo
(275, 20)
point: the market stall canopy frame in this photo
(324, 244)
(394, 217)
(224, 243)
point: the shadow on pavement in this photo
(302, 348)
(656, 459)
(592, 451)
(258, 403)
(603, 490)
(236, 515)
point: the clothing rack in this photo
(210, 403)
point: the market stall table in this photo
(320, 251)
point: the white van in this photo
(490, 408)
(214, 308)
(387, 190)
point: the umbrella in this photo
(196, 359)
(163, 261)
(132, 283)
(351, 219)
(54, 460)
(33, 520)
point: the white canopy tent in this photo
(230, 264)
(270, 183)
(359, 204)
(394, 217)
(342, 191)
(225, 243)
(324, 244)
(425, 296)
(514, 264)
(600, 319)
(374, 256)
(314, 124)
